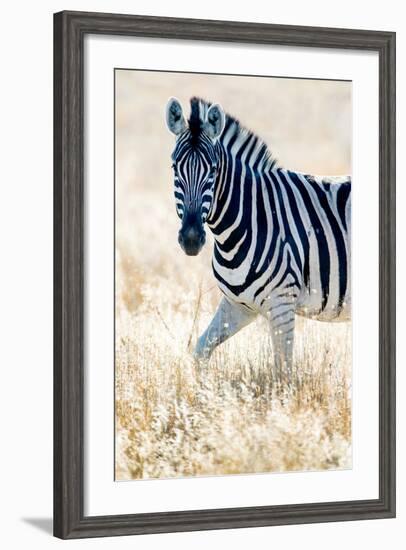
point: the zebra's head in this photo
(195, 163)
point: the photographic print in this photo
(221, 330)
(232, 274)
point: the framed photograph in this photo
(224, 274)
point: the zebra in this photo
(281, 238)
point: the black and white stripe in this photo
(282, 238)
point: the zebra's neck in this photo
(240, 144)
(241, 217)
(243, 159)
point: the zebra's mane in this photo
(233, 127)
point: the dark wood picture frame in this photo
(69, 31)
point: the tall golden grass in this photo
(231, 417)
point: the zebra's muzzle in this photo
(192, 239)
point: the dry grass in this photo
(231, 418)
(176, 420)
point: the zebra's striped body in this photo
(282, 238)
(294, 234)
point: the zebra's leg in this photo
(227, 321)
(282, 324)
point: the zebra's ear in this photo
(215, 121)
(174, 117)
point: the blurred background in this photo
(170, 422)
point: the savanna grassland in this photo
(231, 417)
